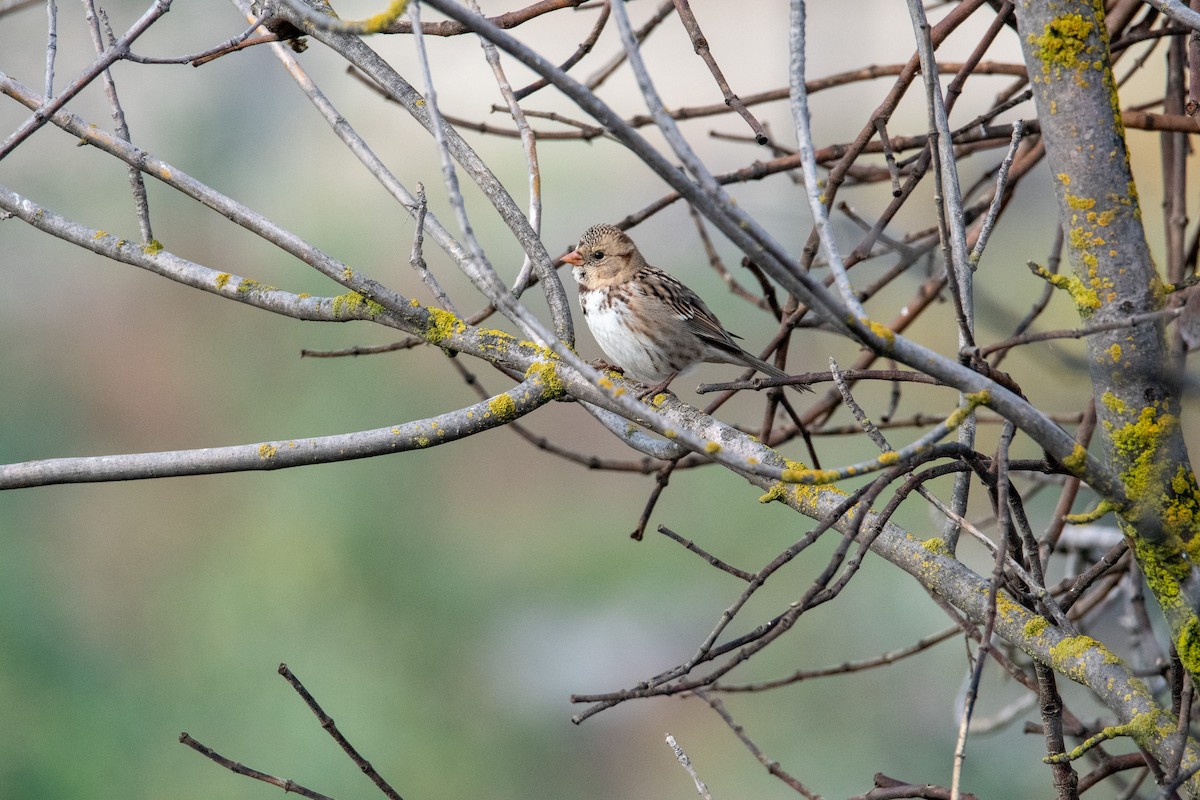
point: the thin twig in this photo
(601, 75)
(331, 728)
(686, 763)
(771, 764)
(584, 48)
(417, 259)
(114, 53)
(817, 199)
(137, 185)
(989, 220)
(846, 667)
(702, 49)
(287, 784)
(741, 574)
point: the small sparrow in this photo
(651, 325)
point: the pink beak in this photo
(574, 258)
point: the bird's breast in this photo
(648, 347)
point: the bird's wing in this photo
(687, 306)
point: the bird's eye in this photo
(597, 255)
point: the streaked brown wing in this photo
(687, 305)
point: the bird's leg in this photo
(658, 387)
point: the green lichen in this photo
(1187, 644)
(1007, 609)
(353, 303)
(936, 545)
(1036, 627)
(1143, 729)
(247, 285)
(1102, 508)
(1070, 656)
(1136, 445)
(497, 340)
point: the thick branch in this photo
(1135, 382)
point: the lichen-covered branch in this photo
(1135, 379)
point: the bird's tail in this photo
(772, 370)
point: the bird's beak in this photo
(573, 258)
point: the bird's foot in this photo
(651, 391)
(604, 366)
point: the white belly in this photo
(641, 354)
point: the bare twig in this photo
(287, 784)
(331, 728)
(686, 763)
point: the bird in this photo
(648, 323)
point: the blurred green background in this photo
(442, 605)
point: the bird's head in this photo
(603, 257)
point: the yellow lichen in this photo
(1069, 656)
(936, 545)
(267, 451)
(442, 325)
(882, 331)
(1080, 203)
(502, 407)
(353, 303)
(1111, 401)
(382, 21)
(1087, 301)
(1077, 460)
(546, 373)
(1102, 508)
(223, 279)
(1062, 43)
(1187, 644)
